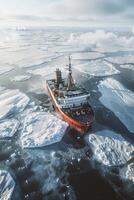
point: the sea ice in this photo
(7, 185)
(87, 55)
(127, 172)
(8, 127)
(4, 68)
(110, 148)
(49, 69)
(21, 78)
(30, 61)
(97, 68)
(44, 71)
(125, 59)
(11, 102)
(41, 129)
(128, 66)
(119, 100)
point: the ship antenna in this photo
(70, 66)
(70, 78)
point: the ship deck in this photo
(82, 114)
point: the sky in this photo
(66, 12)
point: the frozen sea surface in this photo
(4, 68)
(128, 66)
(47, 71)
(21, 78)
(8, 128)
(97, 68)
(7, 185)
(127, 172)
(11, 102)
(122, 59)
(41, 129)
(119, 100)
(86, 55)
(110, 148)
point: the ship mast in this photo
(70, 78)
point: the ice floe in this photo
(49, 69)
(12, 102)
(125, 59)
(4, 68)
(21, 78)
(127, 172)
(87, 55)
(119, 100)
(35, 61)
(44, 71)
(8, 128)
(7, 185)
(128, 66)
(110, 148)
(41, 129)
(97, 68)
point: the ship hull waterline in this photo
(79, 126)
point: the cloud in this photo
(79, 11)
(100, 38)
(96, 8)
(133, 30)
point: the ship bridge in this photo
(75, 101)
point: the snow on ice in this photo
(34, 61)
(49, 69)
(125, 59)
(127, 172)
(87, 55)
(21, 78)
(110, 148)
(120, 101)
(128, 66)
(97, 68)
(7, 185)
(8, 127)
(12, 102)
(4, 68)
(41, 129)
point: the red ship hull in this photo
(79, 126)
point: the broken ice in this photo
(119, 100)
(41, 129)
(7, 185)
(110, 148)
(8, 127)
(97, 68)
(12, 101)
(21, 78)
(4, 68)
